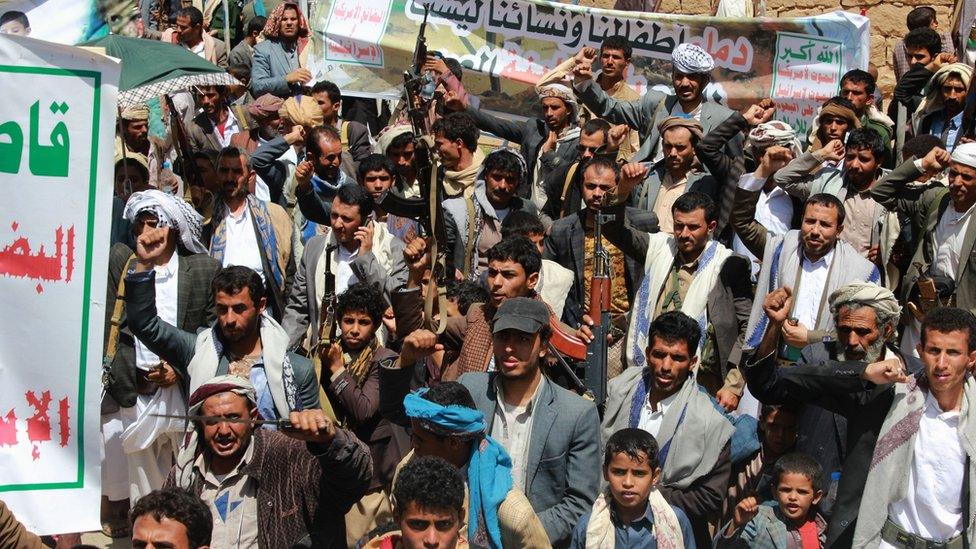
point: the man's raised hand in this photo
(778, 304)
(419, 344)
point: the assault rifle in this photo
(327, 331)
(184, 152)
(425, 209)
(592, 356)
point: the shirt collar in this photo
(647, 518)
(825, 260)
(933, 410)
(203, 467)
(169, 269)
(500, 389)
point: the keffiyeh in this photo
(273, 25)
(136, 112)
(172, 212)
(870, 294)
(772, 133)
(692, 125)
(691, 59)
(559, 91)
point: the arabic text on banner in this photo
(506, 45)
(56, 153)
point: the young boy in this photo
(634, 513)
(792, 520)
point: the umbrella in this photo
(151, 68)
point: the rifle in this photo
(426, 209)
(592, 356)
(595, 371)
(184, 152)
(327, 329)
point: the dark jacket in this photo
(531, 135)
(304, 489)
(908, 89)
(836, 387)
(194, 310)
(359, 408)
(566, 245)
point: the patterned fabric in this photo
(600, 532)
(262, 217)
(171, 211)
(273, 25)
(692, 59)
(932, 93)
(476, 351)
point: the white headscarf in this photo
(965, 153)
(691, 59)
(773, 133)
(171, 211)
(869, 294)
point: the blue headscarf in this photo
(489, 468)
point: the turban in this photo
(559, 91)
(772, 133)
(265, 106)
(489, 467)
(301, 110)
(273, 25)
(965, 153)
(832, 109)
(388, 134)
(136, 112)
(879, 298)
(932, 93)
(689, 124)
(172, 212)
(691, 59)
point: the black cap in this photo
(522, 314)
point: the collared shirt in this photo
(166, 300)
(242, 246)
(651, 419)
(512, 428)
(774, 210)
(932, 507)
(948, 237)
(231, 127)
(344, 275)
(686, 275)
(638, 534)
(861, 212)
(813, 280)
(667, 195)
(233, 503)
(199, 49)
(947, 130)
(253, 370)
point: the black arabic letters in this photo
(50, 160)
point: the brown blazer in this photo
(13, 533)
(359, 409)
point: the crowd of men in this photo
(791, 345)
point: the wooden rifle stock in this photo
(568, 345)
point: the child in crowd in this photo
(792, 519)
(633, 513)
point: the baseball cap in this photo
(522, 314)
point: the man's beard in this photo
(871, 354)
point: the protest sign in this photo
(61, 21)
(506, 45)
(56, 168)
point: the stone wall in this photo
(887, 20)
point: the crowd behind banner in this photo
(649, 319)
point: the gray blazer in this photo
(178, 347)
(565, 245)
(269, 66)
(302, 307)
(645, 195)
(531, 134)
(562, 474)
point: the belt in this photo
(897, 536)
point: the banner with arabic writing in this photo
(56, 169)
(506, 45)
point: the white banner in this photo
(56, 172)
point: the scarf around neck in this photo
(261, 216)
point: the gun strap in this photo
(344, 135)
(569, 180)
(437, 289)
(472, 237)
(324, 380)
(112, 344)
